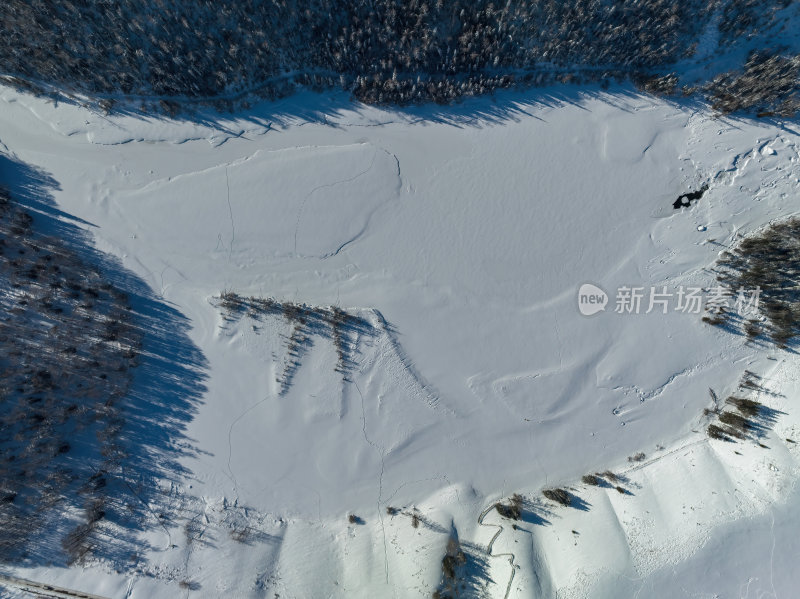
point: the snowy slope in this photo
(461, 240)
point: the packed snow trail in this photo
(511, 556)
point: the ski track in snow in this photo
(511, 557)
(230, 211)
(381, 451)
(328, 186)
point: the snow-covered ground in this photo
(460, 237)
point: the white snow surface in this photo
(462, 235)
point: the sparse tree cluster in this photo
(770, 262)
(591, 479)
(637, 457)
(767, 84)
(513, 509)
(741, 417)
(464, 571)
(560, 496)
(306, 322)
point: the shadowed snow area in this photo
(100, 382)
(459, 243)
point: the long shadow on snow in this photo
(162, 397)
(495, 107)
(501, 106)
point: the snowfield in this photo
(458, 239)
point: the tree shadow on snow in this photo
(119, 398)
(330, 106)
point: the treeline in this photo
(383, 51)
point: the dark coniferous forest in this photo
(390, 52)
